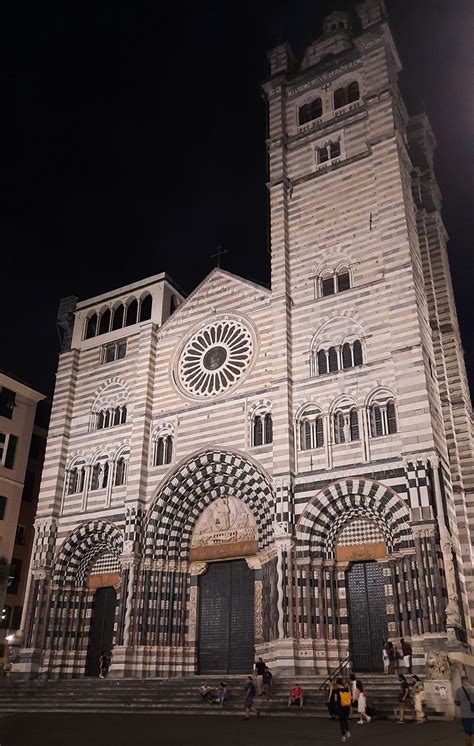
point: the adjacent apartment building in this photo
(22, 444)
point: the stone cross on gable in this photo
(220, 251)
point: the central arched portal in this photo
(224, 534)
(226, 618)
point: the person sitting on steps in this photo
(296, 696)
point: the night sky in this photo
(137, 146)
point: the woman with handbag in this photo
(403, 698)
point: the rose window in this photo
(215, 358)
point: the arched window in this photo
(332, 282)
(357, 352)
(354, 424)
(333, 361)
(311, 430)
(339, 422)
(132, 311)
(117, 319)
(268, 428)
(117, 414)
(163, 450)
(91, 326)
(145, 308)
(352, 92)
(346, 355)
(100, 475)
(391, 417)
(340, 98)
(174, 303)
(310, 111)
(257, 431)
(327, 286)
(262, 428)
(322, 362)
(123, 415)
(343, 280)
(376, 423)
(104, 322)
(76, 478)
(305, 435)
(100, 421)
(346, 95)
(121, 471)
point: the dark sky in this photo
(137, 146)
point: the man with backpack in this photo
(342, 695)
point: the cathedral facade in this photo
(284, 472)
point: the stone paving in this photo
(162, 730)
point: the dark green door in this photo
(226, 619)
(102, 628)
(367, 615)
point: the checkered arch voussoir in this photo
(81, 548)
(346, 500)
(192, 488)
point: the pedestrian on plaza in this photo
(267, 682)
(407, 654)
(418, 690)
(104, 664)
(259, 669)
(343, 704)
(296, 696)
(354, 694)
(385, 658)
(392, 656)
(331, 700)
(464, 698)
(403, 697)
(250, 694)
(361, 704)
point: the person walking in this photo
(250, 694)
(392, 656)
(464, 698)
(418, 690)
(104, 664)
(385, 658)
(407, 654)
(404, 697)
(361, 704)
(343, 703)
(331, 700)
(259, 670)
(267, 682)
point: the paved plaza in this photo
(161, 730)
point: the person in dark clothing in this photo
(260, 667)
(250, 693)
(267, 682)
(404, 697)
(342, 694)
(104, 664)
(331, 700)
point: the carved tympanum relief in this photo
(225, 520)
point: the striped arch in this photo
(342, 501)
(79, 551)
(192, 487)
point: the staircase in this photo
(181, 696)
